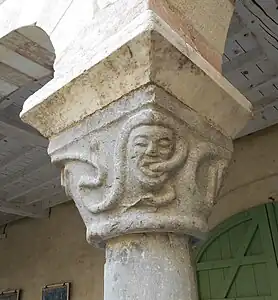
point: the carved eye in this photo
(141, 142)
(165, 143)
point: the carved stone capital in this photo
(144, 163)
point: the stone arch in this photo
(27, 57)
(62, 20)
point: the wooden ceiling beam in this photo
(33, 211)
(22, 133)
(37, 193)
(261, 85)
(264, 102)
(238, 62)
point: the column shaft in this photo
(149, 267)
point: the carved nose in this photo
(152, 149)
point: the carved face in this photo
(149, 148)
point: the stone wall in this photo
(253, 176)
(40, 252)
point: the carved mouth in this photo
(151, 173)
(150, 166)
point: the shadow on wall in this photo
(252, 177)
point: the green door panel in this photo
(238, 261)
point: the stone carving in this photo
(210, 165)
(148, 152)
(152, 153)
(154, 168)
(87, 181)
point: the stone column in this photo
(149, 266)
(143, 140)
(144, 173)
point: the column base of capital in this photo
(136, 222)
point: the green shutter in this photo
(239, 261)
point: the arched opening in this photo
(239, 260)
(26, 64)
(250, 59)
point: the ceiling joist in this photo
(21, 134)
(24, 211)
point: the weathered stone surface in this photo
(143, 139)
(145, 163)
(149, 266)
(141, 125)
(147, 58)
(198, 19)
(82, 37)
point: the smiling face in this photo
(149, 147)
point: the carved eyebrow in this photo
(141, 136)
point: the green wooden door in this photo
(239, 259)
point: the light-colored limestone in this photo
(57, 17)
(208, 17)
(64, 21)
(148, 58)
(149, 266)
(143, 138)
(144, 163)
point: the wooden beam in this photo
(33, 211)
(36, 193)
(23, 92)
(53, 199)
(23, 64)
(238, 62)
(21, 133)
(12, 152)
(261, 85)
(29, 49)
(10, 115)
(262, 25)
(265, 101)
(6, 88)
(14, 76)
(220, 264)
(23, 166)
(34, 33)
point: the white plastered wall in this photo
(36, 253)
(253, 176)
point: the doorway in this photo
(239, 260)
